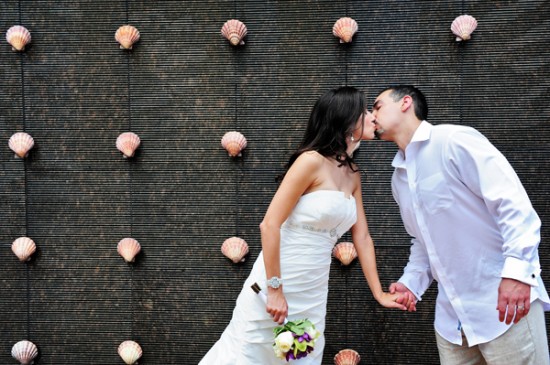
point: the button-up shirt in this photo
(472, 224)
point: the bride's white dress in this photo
(307, 239)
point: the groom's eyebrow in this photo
(375, 104)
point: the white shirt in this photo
(472, 224)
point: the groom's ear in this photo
(406, 103)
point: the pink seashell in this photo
(234, 143)
(463, 26)
(347, 357)
(21, 143)
(234, 30)
(345, 252)
(128, 248)
(345, 28)
(130, 352)
(23, 248)
(127, 35)
(18, 36)
(24, 352)
(127, 143)
(235, 249)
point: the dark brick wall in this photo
(180, 90)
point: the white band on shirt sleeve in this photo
(520, 270)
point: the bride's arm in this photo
(366, 253)
(299, 178)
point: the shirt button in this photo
(533, 276)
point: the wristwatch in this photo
(274, 282)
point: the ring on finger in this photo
(521, 307)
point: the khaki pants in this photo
(525, 343)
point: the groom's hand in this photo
(406, 297)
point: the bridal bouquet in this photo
(295, 339)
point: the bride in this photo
(318, 200)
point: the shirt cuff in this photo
(520, 270)
(404, 280)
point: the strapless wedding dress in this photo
(307, 239)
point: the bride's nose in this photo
(369, 117)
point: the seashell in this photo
(24, 352)
(18, 36)
(127, 35)
(345, 252)
(345, 28)
(127, 143)
(234, 143)
(235, 248)
(234, 30)
(21, 143)
(347, 357)
(130, 351)
(23, 248)
(128, 248)
(463, 26)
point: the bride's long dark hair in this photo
(332, 119)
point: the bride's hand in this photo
(391, 300)
(277, 306)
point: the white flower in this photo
(281, 355)
(313, 333)
(284, 341)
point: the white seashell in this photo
(234, 143)
(24, 352)
(235, 249)
(18, 36)
(21, 143)
(463, 27)
(345, 252)
(23, 248)
(128, 248)
(127, 35)
(347, 357)
(127, 143)
(130, 352)
(345, 28)
(234, 30)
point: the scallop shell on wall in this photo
(24, 352)
(128, 143)
(23, 248)
(234, 30)
(130, 352)
(463, 27)
(347, 357)
(128, 248)
(21, 143)
(127, 35)
(345, 28)
(235, 249)
(234, 143)
(345, 252)
(18, 36)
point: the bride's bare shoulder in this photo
(311, 157)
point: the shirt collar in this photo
(421, 134)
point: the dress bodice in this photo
(327, 213)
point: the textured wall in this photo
(180, 90)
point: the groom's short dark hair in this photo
(419, 100)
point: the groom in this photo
(474, 231)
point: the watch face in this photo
(274, 283)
